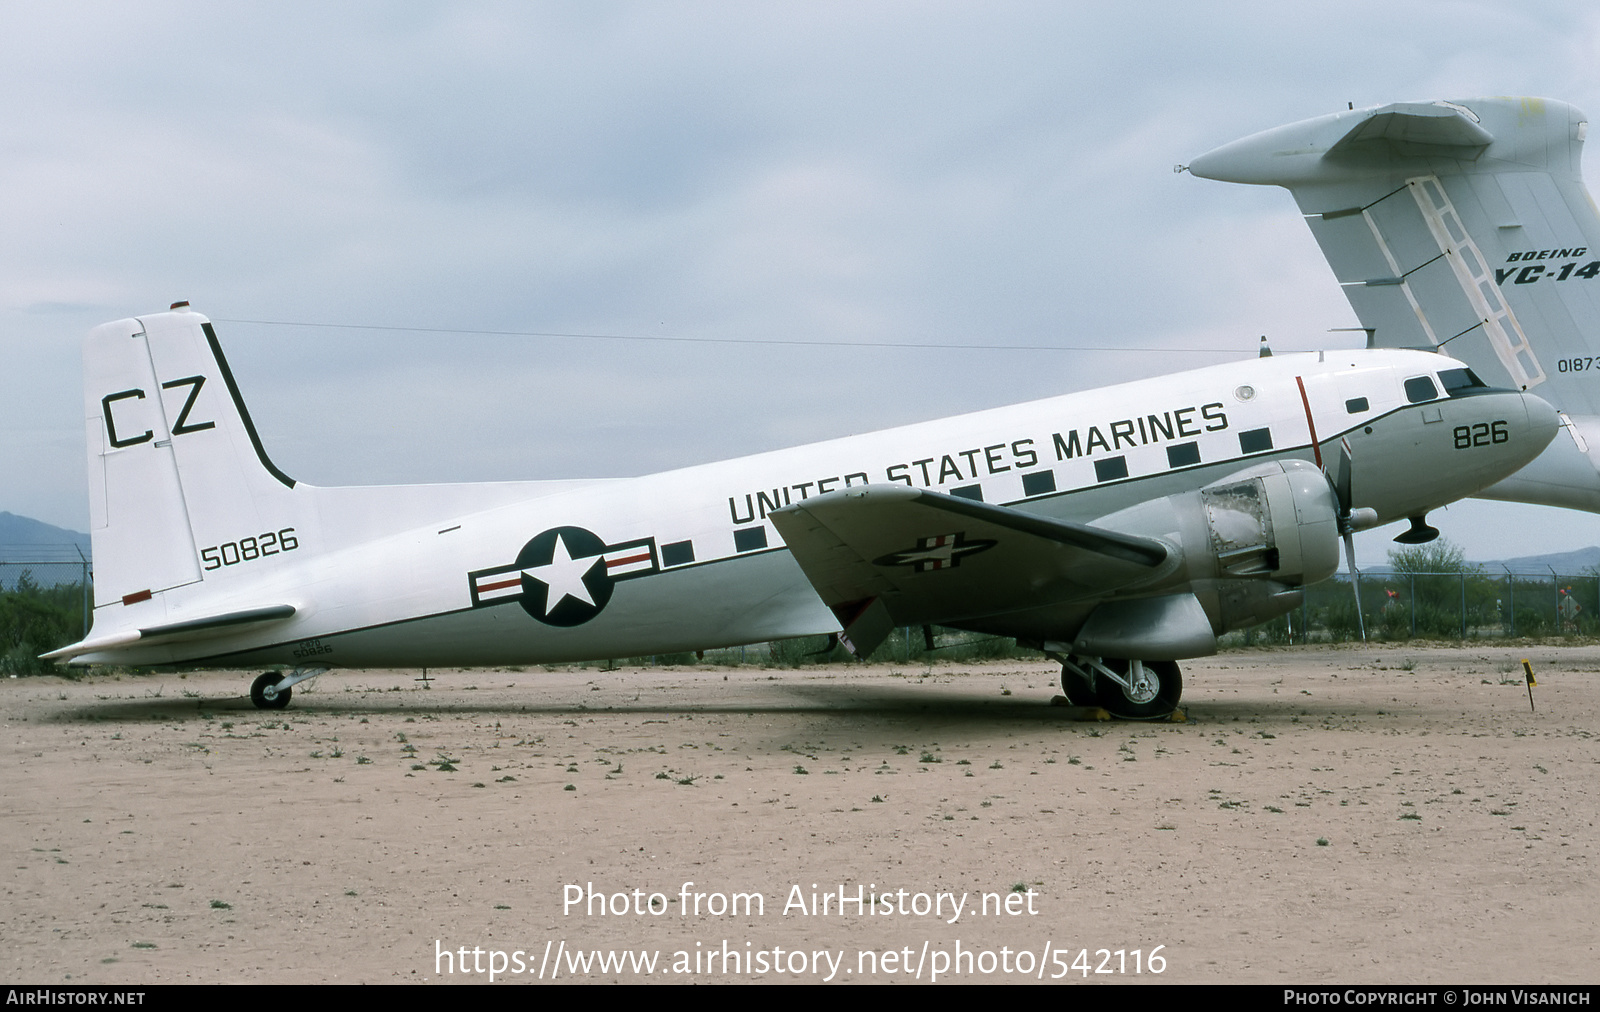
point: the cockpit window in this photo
(1459, 381)
(1421, 388)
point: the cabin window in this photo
(1111, 469)
(1420, 389)
(1255, 441)
(1183, 454)
(973, 492)
(679, 553)
(1356, 405)
(1038, 483)
(748, 539)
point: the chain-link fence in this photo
(43, 574)
(1452, 606)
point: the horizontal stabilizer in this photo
(192, 629)
(1402, 137)
(890, 556)
(1412, 126)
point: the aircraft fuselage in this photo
(541, 572)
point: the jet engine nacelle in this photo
(1245, 547)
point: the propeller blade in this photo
(1355, 579)
(1342, 467)
(1337, 471)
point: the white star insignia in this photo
(942, 553)
(563, 575)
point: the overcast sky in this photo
(989, 175)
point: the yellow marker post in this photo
(1527, 671)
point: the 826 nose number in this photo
(1482, 434)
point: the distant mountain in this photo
(26, 540)
(1564, 563)
(1576, 563)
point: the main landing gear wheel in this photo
(1077, 688)
(1154, 697)
(264, 692)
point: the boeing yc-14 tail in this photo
(1462, 226)
(1120, 530)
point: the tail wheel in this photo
(264, 692)
(1157, 696)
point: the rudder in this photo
(181, 490)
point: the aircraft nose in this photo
(1542, 419)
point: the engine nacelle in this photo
(1247, 544)
(1276, 521)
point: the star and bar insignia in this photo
(564, 576)
(942, 551)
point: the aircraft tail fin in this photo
(180, 489)
(1463, 225)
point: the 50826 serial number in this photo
(257, 546)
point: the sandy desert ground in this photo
(1355, 815)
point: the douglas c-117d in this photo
(1119, 530)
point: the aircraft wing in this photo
(889, 556)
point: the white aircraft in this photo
(1463, 226)
(1118, 530)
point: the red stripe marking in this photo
(143, 595)
(502, 585)
(1315, 448)
(628, 560)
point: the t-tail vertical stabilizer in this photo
(180, 491)
(1463, 226)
